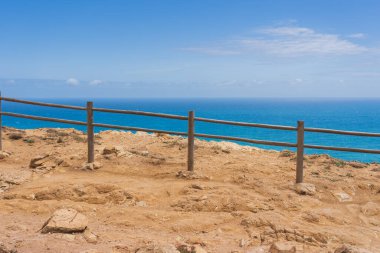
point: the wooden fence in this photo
(191, 134)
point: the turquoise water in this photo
(342, 114)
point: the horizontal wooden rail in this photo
(333, 131)
(236, 123)
(18, 115)
(357, 150)
(43, 104)
(270, 143)
(152, 114)
(138, 129)
(191, 130)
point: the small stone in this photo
(204, 197)
(286, 153)
(242, 242)
(225, 150)
(4, 155)
(190, 175)
(120, 249)
(141, 204)
(65, 221)
(370, 209)
(3, 187)
(65, 164)
(138, 152)
(30, 197)
(357, 165)
(198, 186)
(124, 153)
(37, 161)
(97, 165)
(311, 217)
(112, 150)
(75, 157)
(258, 249)
(343, 197)
(305, 189)
(278, 247)
(89, 236)
(351, 249)
(191, 249)
(91, 166)
(108, 151)
(68, 237)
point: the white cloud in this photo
(295, 41)
(286, 41)
(357, 36)
(211, 51)
(287, 31)
(96, 82)
(72, 81)
(297, 82)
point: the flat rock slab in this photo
(65, 221)
(343, 197)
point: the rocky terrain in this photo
(138, 197)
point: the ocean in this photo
(342, 114)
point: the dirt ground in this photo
(240, 199)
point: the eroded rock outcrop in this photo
(44, 163)
(10, 179)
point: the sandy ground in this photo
(239, 198)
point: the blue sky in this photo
(198, 48)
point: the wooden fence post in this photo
(1, 126)
(190, 142)
(90, 132)
(300, 149)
